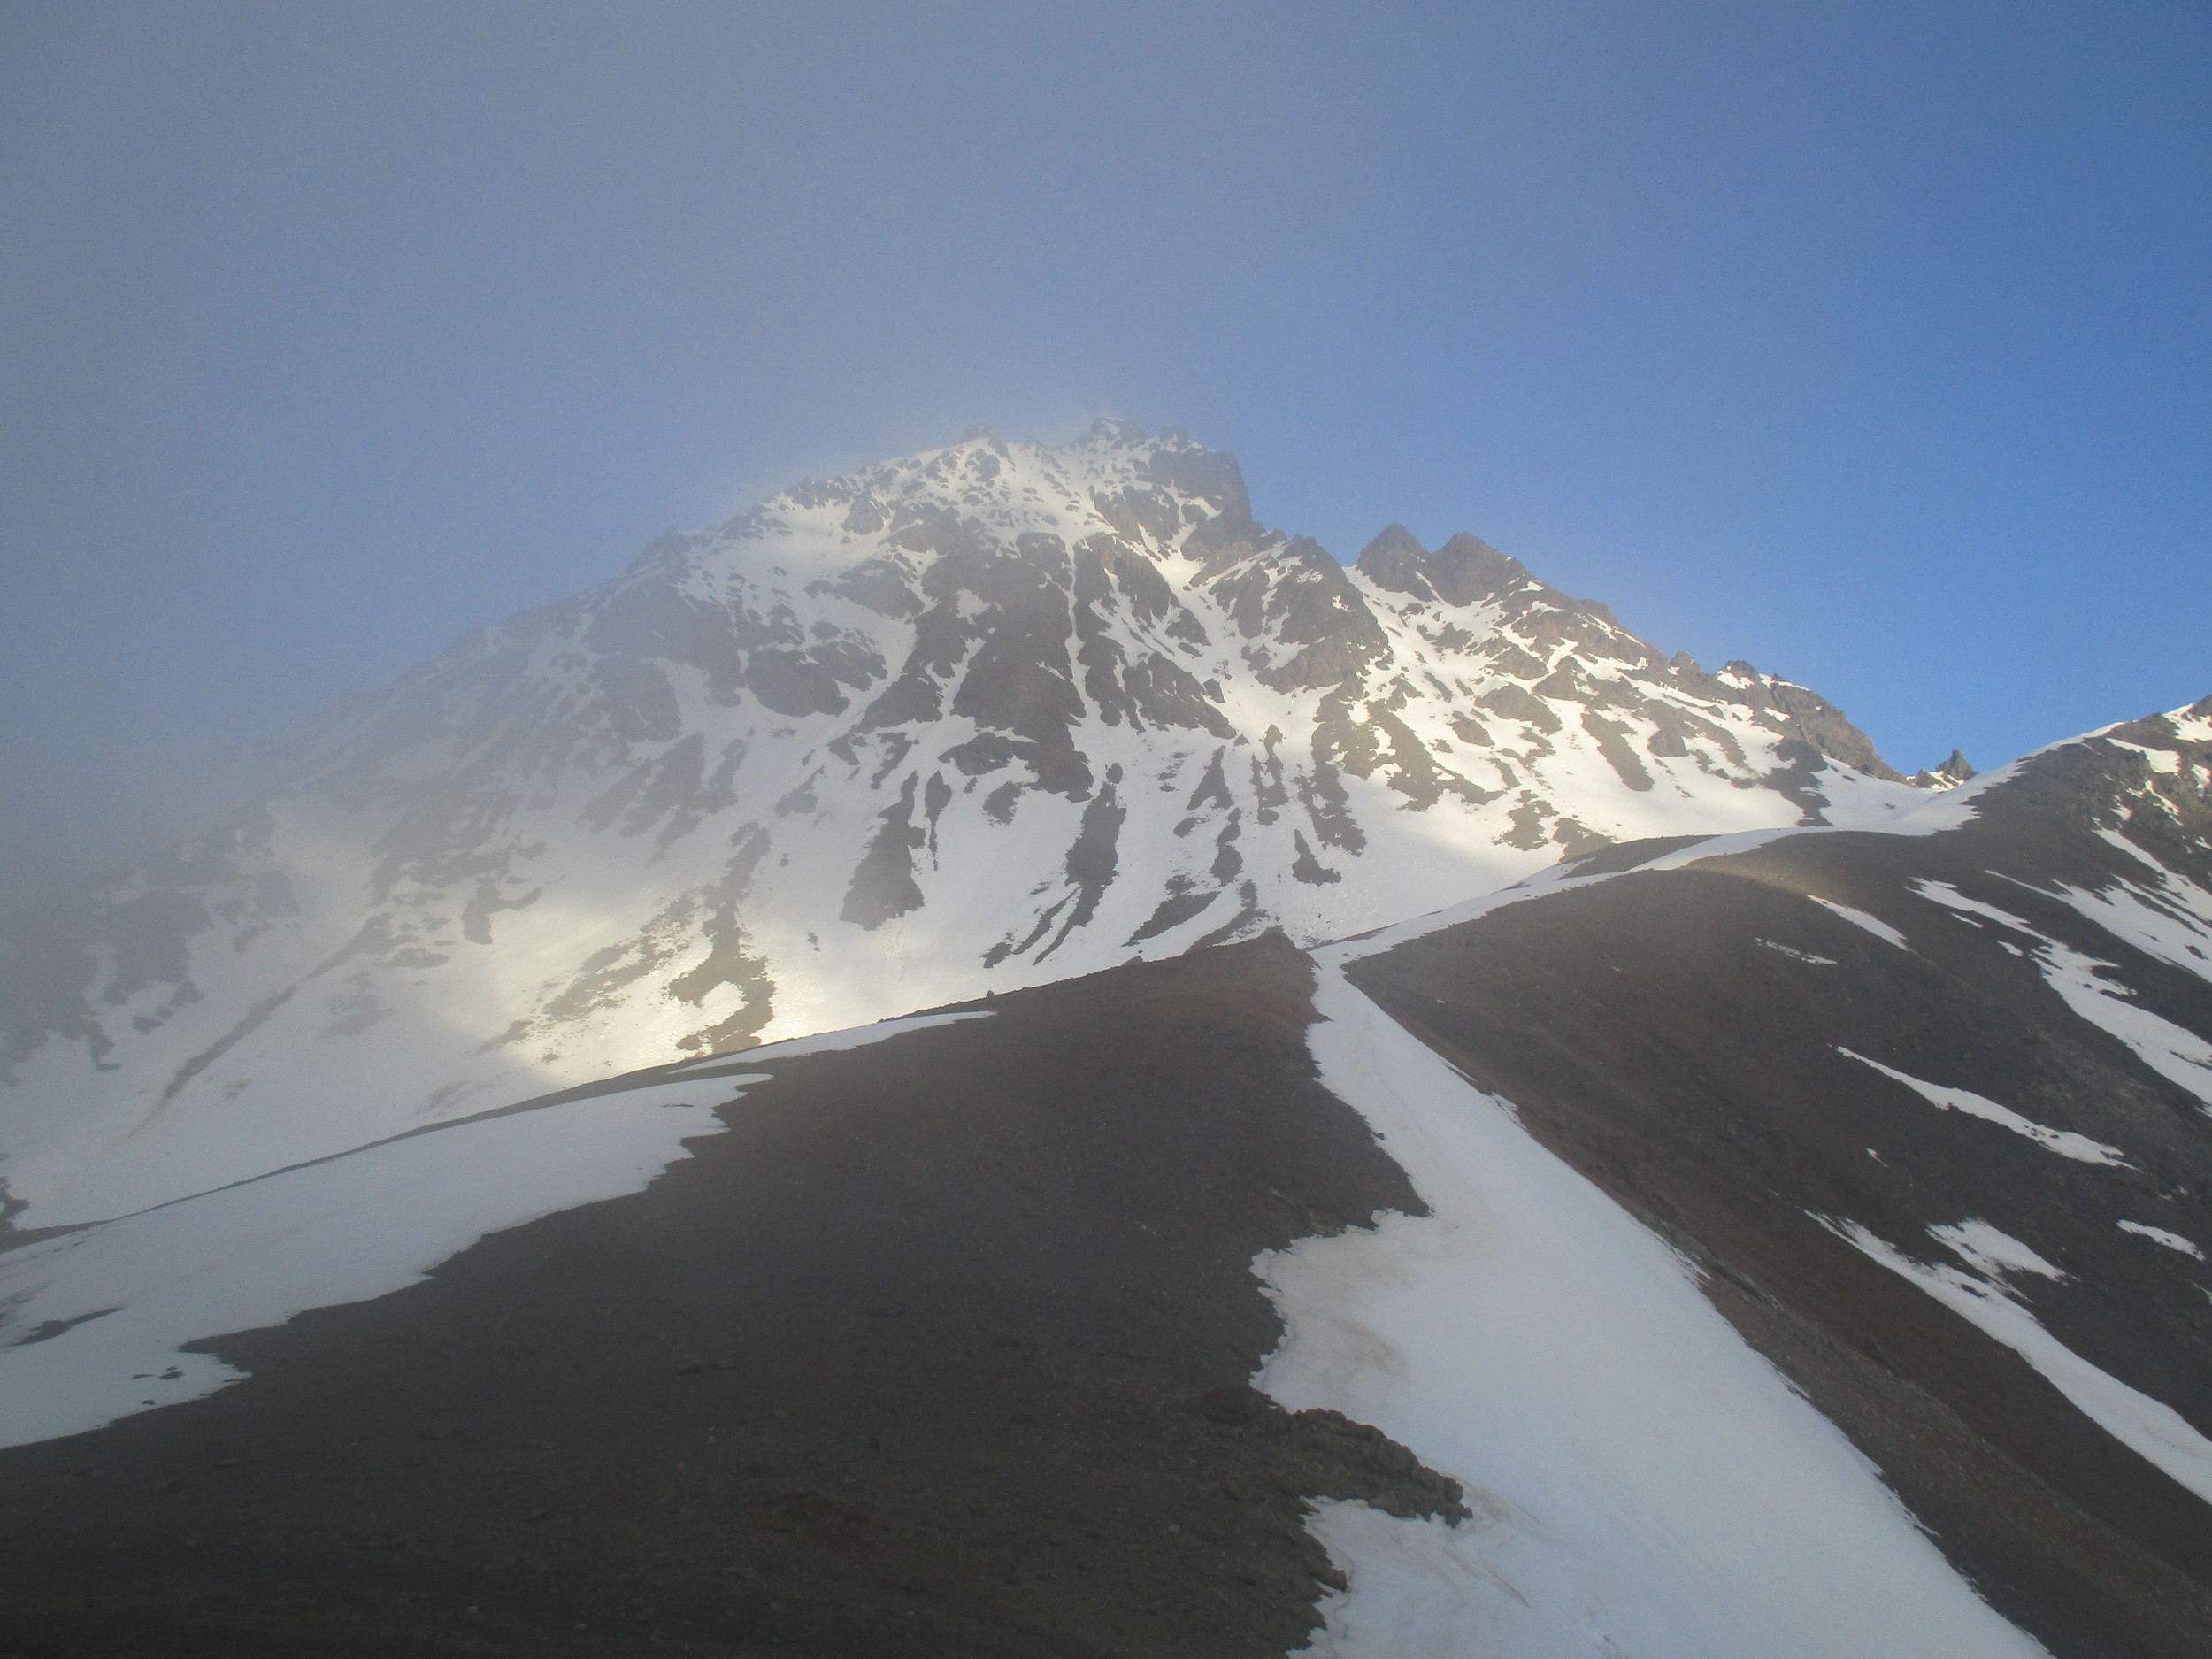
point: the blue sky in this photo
(1868, 341)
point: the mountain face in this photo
(1930, 1114)
(1783, 1242)
(986, 717)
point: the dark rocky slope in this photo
(1650, 1032)
(941, 1348)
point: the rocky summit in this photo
(987, 717)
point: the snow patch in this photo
(1991, 1250)
(1873, 925)
(2164, 761)
(2147, 1426)
(2159, 1235)
(2064, 1143)
(2171, 920)
(2173, 1052)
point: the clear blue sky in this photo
(1869, 341)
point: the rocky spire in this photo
(1950, 775)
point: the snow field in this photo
(255, 1255)
(1643, 1482)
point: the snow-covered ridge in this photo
(984, 717)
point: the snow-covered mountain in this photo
(989, 715)
(1787, 1242)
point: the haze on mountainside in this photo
(1417, 1096)
(1754, 323)
(982, 717)
(991, 1056)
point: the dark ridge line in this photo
(645, 1077)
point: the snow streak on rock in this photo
(2161, 1435)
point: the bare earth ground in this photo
(939, 1349)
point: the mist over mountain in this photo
(973, 719)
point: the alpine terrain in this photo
(987, 717)
(994, 1059)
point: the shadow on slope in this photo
(941, 1347)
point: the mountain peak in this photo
(973, 718)
(1953, 772)
(1114, 430)
(1465, 571)
(1396, 559)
